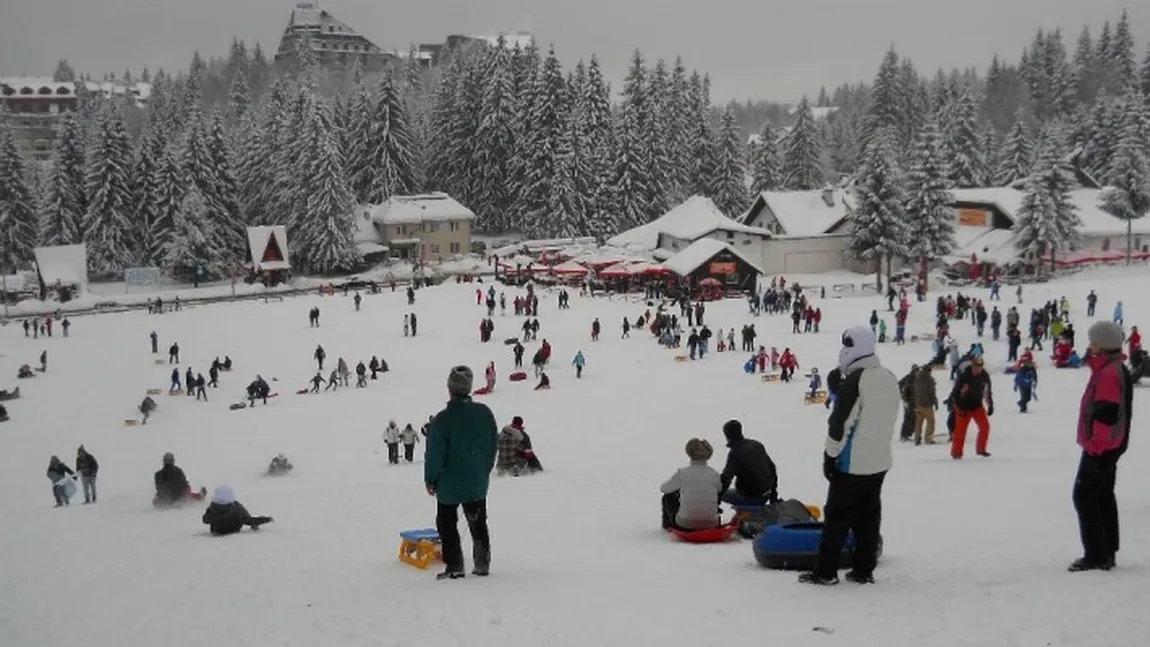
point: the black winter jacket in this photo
(970, 390)
(171, 484)
(226, 519)
(86, 465)
(834, 379)
(751, 468)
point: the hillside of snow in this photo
(975, 550)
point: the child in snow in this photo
(1025, 381)
(175, 388)
(332, 381)
(544, 382)
(279, 466)
(226, 516)
(691, 495)
(816, 382)
(391, 438)
(146, 408)
(579, 362)
(58, 472)
(409, 438)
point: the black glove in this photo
(829, 467)
(990, 409)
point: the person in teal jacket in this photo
(579, 362)
(460, 454)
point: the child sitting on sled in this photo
(691, 495)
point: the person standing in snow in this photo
(391, 437)
(357, 298)
(856, 459)
(626, 329)
(579, 362)
(226, 516)
(200, 392)
(406, 325)
(414, 325)
(360, 375)
(461, 452)
(87, 466)
(518, 350)
(815, 383)
(332, 381)
(319, 355)
(146, 408)
(973, 399)
(1103, 434)
(190, 382)
(316, 381)
(409, 438)
(1118, 314)
(344, 372)
(595, 326)
(57, 472)
(173, 351)
(175, 387)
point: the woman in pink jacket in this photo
(1103, 433)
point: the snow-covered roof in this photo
(988, 245)
(414, 209)
(365, 231)
(67, 264)
(701, 251)
(261, 240)
(366, 248)
(44, 87)
(1095, 221)
(804, 213)
(522, 39)
(696, 217)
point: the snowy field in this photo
(976, 550)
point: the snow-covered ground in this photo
(976, 551)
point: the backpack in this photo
(780, 512)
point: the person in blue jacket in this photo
(1118, 319)
(1025, 381)
(579, 362)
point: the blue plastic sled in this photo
(796, 547)
(749, 367)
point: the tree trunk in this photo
(878, 273)
(1129, 241)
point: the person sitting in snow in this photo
(509, 460)
(172, 489)
(526, 450)
(279, 466)
(544, 382)
(749, 467)
(259, 389)
(146, 408)
(816, 382)
(691, 495)
(226, 516)
(3, 413)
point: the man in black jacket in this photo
(750, 467)
(172, 487)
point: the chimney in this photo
(829, 196)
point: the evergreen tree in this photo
(728, 183)
(239, 96)
(151, 232)
(598, 130)
(108, 223)
(1123, 57)
(579, 164)
(1104, 55)
(194, 84)
(390, 157)
(171, 188)
(1105, 127)
(546, 193)
(18, 219)
(961, 143)
(1127, 196)
(628, 181)
(64, 72)
(1017, 156)
(192, 244)
(361, 172)
(802, 152)
(679, 117)
(658, 116)
(1047, 221)
(64, 204)
(929, 205)
(766, 165)
(887, 98)
(255, 159)
(879, 229)
(496, 144)
(1145, 80)
(326, 236)
(229, 217)
(823, 100)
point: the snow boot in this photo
(815, 578)
(451, 574)
(859, 578)
(1083, 564)
(481, 555)
(984, 454)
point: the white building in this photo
(696, 218)
(809, 230)
(426, 228)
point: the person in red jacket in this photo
(1103, 434)
(1135, 341)
(971, 390)
(788, 363)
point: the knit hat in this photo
(1106, 335)
(223, 496)
(699, 449)
(169, 459)
(517, 422)
(459, 381)
(733, 430)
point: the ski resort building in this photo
(687, 223)
(708, 259)
(427, 228)
(809, 230)
(334, 43)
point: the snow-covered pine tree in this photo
(1085, 70)
(150, 231)
(108, 222)
(326, 236)
(887, 99)
(171, 189)
(390, 152)
(728, 184)
(629, 179)
(580, 163)
(1145, 76)
(64, 72)
(1017, 157)
(1047, 220)
(192, 244)
(1127, 195)
(988, 144)
(1106, 126)
(543, 197)
(239, 97)
(18, 220)
(1034, 221)
(64, 205)
(1123, 57)
(193, 93)
(962, 145)
(803, 152)
(929, 204)
(600, 135)
(495, 147)
(878, 229)
(360, 172)
(657, 112)
(229, 218)
(679, 116)
(766, 165)
(254, 159)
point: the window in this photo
(454, 225)
(431, 227)
(732, 279)
(434, 248)
(730, 235)
(455, 248)
(747, 241)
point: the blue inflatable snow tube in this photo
(795, 546)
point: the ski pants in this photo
(1024, 394)
(924, 416)
(908, 417)
(962, 419)
(409, 452)
(854, 504)
(393, 453)
(447, 524)
(1096, 505)
(89, 484)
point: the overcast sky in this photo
(762, 49)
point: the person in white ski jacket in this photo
(860, 432)
(691, 495)
(409, 437)
(391, 437)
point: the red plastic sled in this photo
(710, 535)
(302, 392)
(481, 391)
(517, 376)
